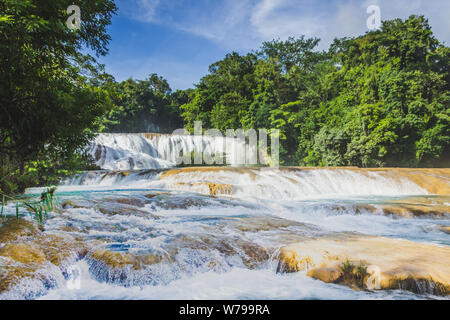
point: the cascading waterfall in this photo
(140, 229)
(156, 151)
(262, 183)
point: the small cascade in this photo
(266, 183)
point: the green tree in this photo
(144, 106)
(49, 107)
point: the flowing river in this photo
(150, 232)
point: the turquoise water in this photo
(213, 247)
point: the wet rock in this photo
(251, 254)
(402, 264)
(219, 189)
(158, 194)
(412, 211)
(257, 224)
(124, 210)
(418, 207)
(58, 249)
(213, 189)
(23, 253)
(122, 174)
(434, 207)
(27, 251)
(72, 205)
(328, 275)
(19, 262)
(254, 255)
(196, 170)
(435, 181)
(116, 259)
(135, 202)
(12, 229)
(120, 267)
(181, 203)
(12, 272)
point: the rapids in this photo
(215, 233)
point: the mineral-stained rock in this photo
(71, 205)
(434, 206)
(411, 210)
(23, 253)
(12, 229)
(435, 181)
(402, 264)
(157, 194)
(11, 272)
(132, 201)
(254, 255)
(26, 250)
(417, 207)
(219, 189)
(213, 189)
(122, 259)
(58, 249)
(328, 275)
(124, 210)
(189, 170)
(119, 267)
(17, 262)
(181, 203)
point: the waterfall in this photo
(152, 231)
(292, 183)
(158, 151)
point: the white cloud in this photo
(282, 18)
(219, 22)
(142, 10)
(244, 24)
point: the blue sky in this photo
(179, 39)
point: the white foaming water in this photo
(264, 183)
(215, 247)
(210, 233)
(295, 184)
(156, 151)
(239, 283)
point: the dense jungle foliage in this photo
(381, 99)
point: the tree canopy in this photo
(381, 99)
(144, 106)
(49, 106)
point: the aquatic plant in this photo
(38, 209)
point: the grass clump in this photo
(354, 274)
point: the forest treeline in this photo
(381, 99)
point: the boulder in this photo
(26, 251)
(12, 229)
(371, 262)
(445, 229)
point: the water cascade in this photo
(140, 229)
(156, 151)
